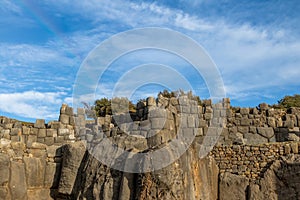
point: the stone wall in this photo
(251, 161)
(250, 126)
(36, 159)
(54, 133)
(29, 172)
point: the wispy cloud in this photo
(33, 104)
(10, 6)
(251, 55)
(23, 55)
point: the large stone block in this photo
(208, 116)
(5, 143)
(245, 121)
(69, 111)
(52, 173)
(53, 151)
(5, 134)
(51, 132)
(16, 131)
(55, 125)
(191, 122)
(4, 193)
(232, 186)
(49, 141)
(157, 123)
(4, 169)
(39, 123)
(254, 139)
(151, 101)
(39, 193)
(157, 113)
(244, 111)
(202, 123)
(19, 148)
(35, 171)
(294, 147)
(63, 131)
(41, 133)
(15, 138)
(25, 130)
(17, 181)
(73, 155)
(243, 129)
(183, 100)
(64, 118)
(266, 132)
(271, 122)
(34, 131)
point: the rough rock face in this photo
(187, 178)
(72, 159)
(281, 181)
(232, 186)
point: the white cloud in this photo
(192, 23)
(9, 6)
(31, 104)
(12, 55)
(244, 53)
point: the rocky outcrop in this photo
(281, 181)
(233, 186)
(187, 178)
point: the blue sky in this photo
(255, 45)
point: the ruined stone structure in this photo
(255, 156)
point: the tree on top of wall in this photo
(289, 101)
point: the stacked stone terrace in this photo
(162, 117)
(251, 138)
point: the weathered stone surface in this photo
(39, 123)
(15, 131)
(263, 106)
(30, 140)
(35, 171)
(49, 141)
(72, 157)
(271, 122)
(207, 184)
(244, 111)
(266, 132)
(157, 123)
(17, 182)
(19, 148)
(151, 101)
(41, 133)
(5, 143)
(25, 130)
(294, 147)
(52, 174)
(37, 145)
(245, 121)
(186, 178)
(41, 194)
(232, 186)
(65, 119)
(280, 181)
(4, 169)
(254, 139)
(4, 193)
(293, 137)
